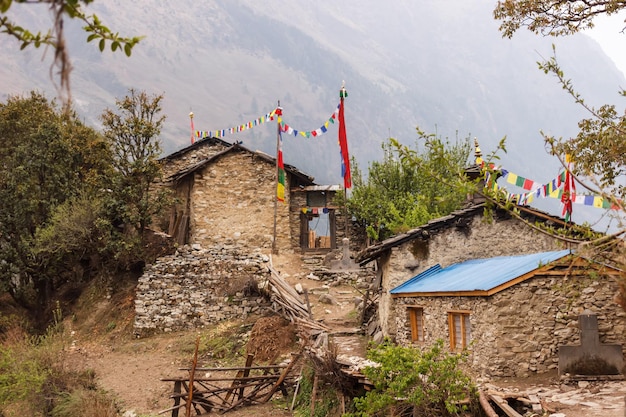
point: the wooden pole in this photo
(246, 372)
(281, 379)
(191, 376)
(484, 402)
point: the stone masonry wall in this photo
(191, 157)
(196, 287)
(517, 332)
(483, 238)
(233, 200)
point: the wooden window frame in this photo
(462, 342)
(416, 320)
(304, 230)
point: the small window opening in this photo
(460, 329)
(416, 318)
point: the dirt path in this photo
(131, 369)
(133, 372)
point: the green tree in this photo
(428, 383)
(552, 17)
(133, 133)
(55, 37)
(47, 157)
(404, 190)
(598, 150)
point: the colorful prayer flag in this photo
(280, 184)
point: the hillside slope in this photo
(440, 65)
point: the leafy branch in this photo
(599, 149)
(55, 37)
(552, 17)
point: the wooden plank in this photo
(173, 409)
(295, 359)
(504, 406)
(280, 282)
(231, 378)
(236, 368)
(177, 386)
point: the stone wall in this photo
(517, 332)
(482, 238)
(200, 152)
(196, 287)
(233, 199)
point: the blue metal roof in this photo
(476, 274)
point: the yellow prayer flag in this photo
(597, 202)
(511, 178)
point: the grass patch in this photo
(225, 342)
(35, 379)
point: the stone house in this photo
(223, 221)
(514, 310)
(226, 193)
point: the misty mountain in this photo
(442, 66)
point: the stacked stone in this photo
(195, 287)
(517, 332)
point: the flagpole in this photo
(279, 113)
(192, 129)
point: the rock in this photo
(327, 299)
(313, 277)
(299, 288)
(378, 337)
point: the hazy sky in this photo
(607, 34)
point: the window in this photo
(460, 329)
(416, 318)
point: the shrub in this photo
(85, 403)
(326, 403)
(407, 380)
(34, 378)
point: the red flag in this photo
(343, 143)
(569, 192)
(280, 185)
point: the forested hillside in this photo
(443, 66)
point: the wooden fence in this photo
(222, 393)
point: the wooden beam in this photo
(282, 377)
(484, 402)
(504, 406)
